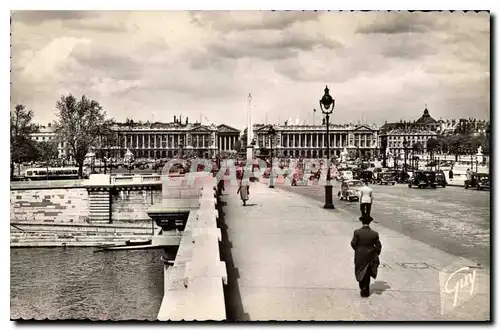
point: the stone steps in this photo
(99, 206)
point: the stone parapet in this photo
(194, 284)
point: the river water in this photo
(76, 283)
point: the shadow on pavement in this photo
(232, 296)
(250, 205)
(379, 287)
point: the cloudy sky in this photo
(154, 65)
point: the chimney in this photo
(187, 120)
(180, 118)
(175, 119)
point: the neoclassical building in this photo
(309, 141)
(158, 140)
(167, 140)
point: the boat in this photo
(129, 244)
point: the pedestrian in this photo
(468, 173)
(243, 189)
(366, 199)
(450, 173)
(367, 248)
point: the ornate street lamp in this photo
(272, 133)
(327, 103)
(405, 145)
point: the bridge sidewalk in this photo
(295, 262)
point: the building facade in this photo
(167, 140)
(393, 135)
(309, 141)
(463, 125)
(157, 140)
(47, 133)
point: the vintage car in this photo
(479, 181)
(441, 178)
(349, 189)
(344, 174)
(386, 178)
(366, 176)
(423, 179)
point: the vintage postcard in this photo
(250, 166)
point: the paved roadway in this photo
(452, 219)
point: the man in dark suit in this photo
(367, 248)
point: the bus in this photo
(52, 173)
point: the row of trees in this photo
(459, 144)
(81, 124)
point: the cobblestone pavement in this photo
(452, 219)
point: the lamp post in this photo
(272, 133)
(325, 103)
(405, 145)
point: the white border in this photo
(183, 5)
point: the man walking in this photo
(365, 200)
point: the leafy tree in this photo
(417, 148)
(21, 145)
(47, 151)
(432, 146)
(80, 123)
(107, 138)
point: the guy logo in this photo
(457, 287)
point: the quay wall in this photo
(71, 205)
(49, 205)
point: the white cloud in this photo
(43, 64)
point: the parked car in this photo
(479, 181)
(423, 179)
(366, 176)
(344, 175)
(386, 178)
(441, 178)
(349, 189)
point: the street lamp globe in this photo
(327, 100)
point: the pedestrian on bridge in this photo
(243, 188)
(366, 199)
(367, 248)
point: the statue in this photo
(480, 150)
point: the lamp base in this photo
(328, 197)
(271, 182)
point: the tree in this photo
(21, 145)
(432, 145)
(417, 148)
(107, 138)
(80, 123)
(46, 151)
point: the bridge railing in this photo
(194, 284)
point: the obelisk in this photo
(249, 130)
